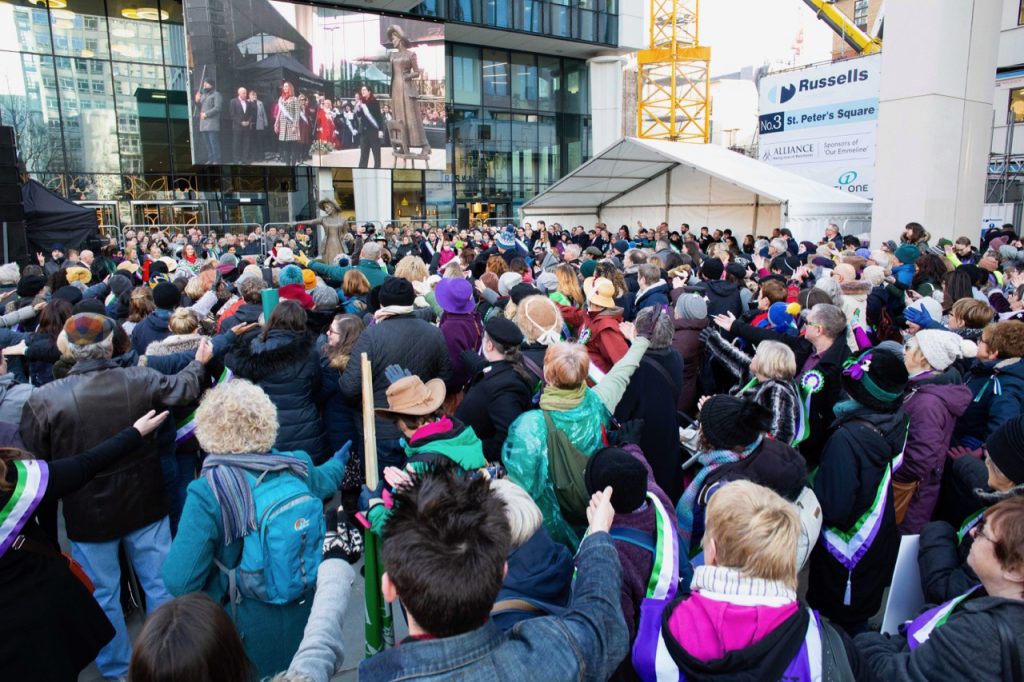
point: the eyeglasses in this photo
(332, 330)
(978, 532)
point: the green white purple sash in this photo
(33, 476)
(849, 547)
(969, 523)
(187, 427)
(921, 628)
(651, 658)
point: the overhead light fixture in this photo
(52, 4)
(143, 13)
(405, 202)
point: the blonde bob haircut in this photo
(774, 360)
(412, 268)
(566, 365)
(755, 531)
(183, 321)
(523, 514)
(236, 417)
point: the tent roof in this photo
(51, 218)
(715, 173)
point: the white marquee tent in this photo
(654, 181)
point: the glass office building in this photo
(96, 91)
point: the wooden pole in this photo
(369, 425)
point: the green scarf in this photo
(561, 399)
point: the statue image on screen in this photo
(407, 124)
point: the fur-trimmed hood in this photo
(281, 349)
(175, 343)
(856, 288)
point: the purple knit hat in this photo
(454, 295)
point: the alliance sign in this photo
(820, 122)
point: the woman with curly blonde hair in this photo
(236, 423)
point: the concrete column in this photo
(935, 116)
(372, 188)
(605, 101)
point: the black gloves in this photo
(344, 539)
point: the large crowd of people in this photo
(633, 453)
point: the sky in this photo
(755, 32)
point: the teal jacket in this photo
(270, 633)
(525, 453)
(372, 269)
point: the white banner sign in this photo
(820, 122)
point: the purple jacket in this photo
(933, 402)
(461, 331)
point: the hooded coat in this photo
(13, 397)
(152, 328)
(932, 402)
(496, 397)
(286, 367)
(539, 572)
(859, 450)
(723, 297)
(998, 390)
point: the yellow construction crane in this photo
(851, 34)
(672, 79)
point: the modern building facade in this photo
(97, 93)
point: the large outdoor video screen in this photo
(275, 83)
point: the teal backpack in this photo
(281, 557)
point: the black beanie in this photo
(30, 285)
(623, 472)
(712, 269)
(396, 291)
(166, 296)
(728, 422)
(1006, 448)
(877, 379)
(89, 305)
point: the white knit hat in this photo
(507, 281)
(928, 303)
(941, 348)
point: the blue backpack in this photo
(281, 557)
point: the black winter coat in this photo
(404, 340)
(497, 395)
(723, 297)
(152, 328)
(966, 647)
(773, 464)
(653, 397)
(855, 458)
(244, 314)
(286, 367)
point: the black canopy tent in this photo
(270, 72)
(50, 219)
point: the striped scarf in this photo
(688, 502)
(231, 488)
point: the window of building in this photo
(464, 75)
(524, 81)
(495, 73)
(99, 87)
(1017, 105)
(90, 23)
(860, 14)
(83, 85)
(1020, 14)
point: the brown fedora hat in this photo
(410, 396)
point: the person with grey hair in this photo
(126, 505)
(370, 264)
(820, 353)
(538, 581)
(653, 394)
